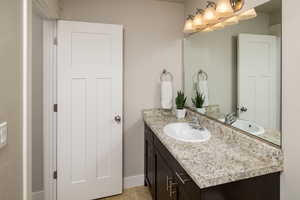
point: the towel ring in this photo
(202, 74)
(165, 73)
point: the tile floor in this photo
(137, 193)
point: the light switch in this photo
(3, 134)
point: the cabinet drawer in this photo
(185, 182)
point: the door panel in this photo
(89, 97)
(78, 130)
(103, 107)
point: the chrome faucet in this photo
(230, 118)
(195, 123)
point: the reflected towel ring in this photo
(165, 73)
(202, 74)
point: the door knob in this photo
(244, 109)
(118, 118)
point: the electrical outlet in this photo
(3, 134)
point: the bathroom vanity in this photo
(229, 166)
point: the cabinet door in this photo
(186, 188)
(149, 162)
(181, 194)
(164, 178)
(151, 168)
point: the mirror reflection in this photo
(234, 74)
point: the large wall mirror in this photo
(237, 70)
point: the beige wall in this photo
(291, 97)
(49, 8)
(10, 99)
(37, 103)
(54, 8)
(152, 41)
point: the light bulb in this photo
(188, 27)
(210, 14)
(224, 8)
(231, 21)
(198, 21)
(248, 14)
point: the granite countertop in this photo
(228, 156)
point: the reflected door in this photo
(89, 110)
(259, 79)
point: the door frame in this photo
(49, 109)
(49, 98)
(26, 118)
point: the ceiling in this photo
(178, 1)
(271, 6)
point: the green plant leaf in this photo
(180, 100)
(198, 100)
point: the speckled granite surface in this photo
(228, 156)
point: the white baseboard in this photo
(38, 195)
(129, 182)
(133, 181)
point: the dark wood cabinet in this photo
(167, 180)
(149, 161)
(164, 176)
(181, 195)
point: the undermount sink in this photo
(248, 126)
(187, 133)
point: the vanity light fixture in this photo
(217, 16)
(249, 14)
(231, 21)
(218, 26)
(198, 21)
(210, 15)
(188, 26)
(224, 8)
(237, 5)
(208, 29)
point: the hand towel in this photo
(166, 94)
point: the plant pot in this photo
(180, 113)
(201, 110)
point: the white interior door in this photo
(259, 79)
(89, 98)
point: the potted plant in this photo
(198, 102)
(180, 103)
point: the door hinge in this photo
(55, 108)
(55, 41)
(55, 175)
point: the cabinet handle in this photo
(173, 195)
(172, 185)
(168, 181)
(182, 180)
